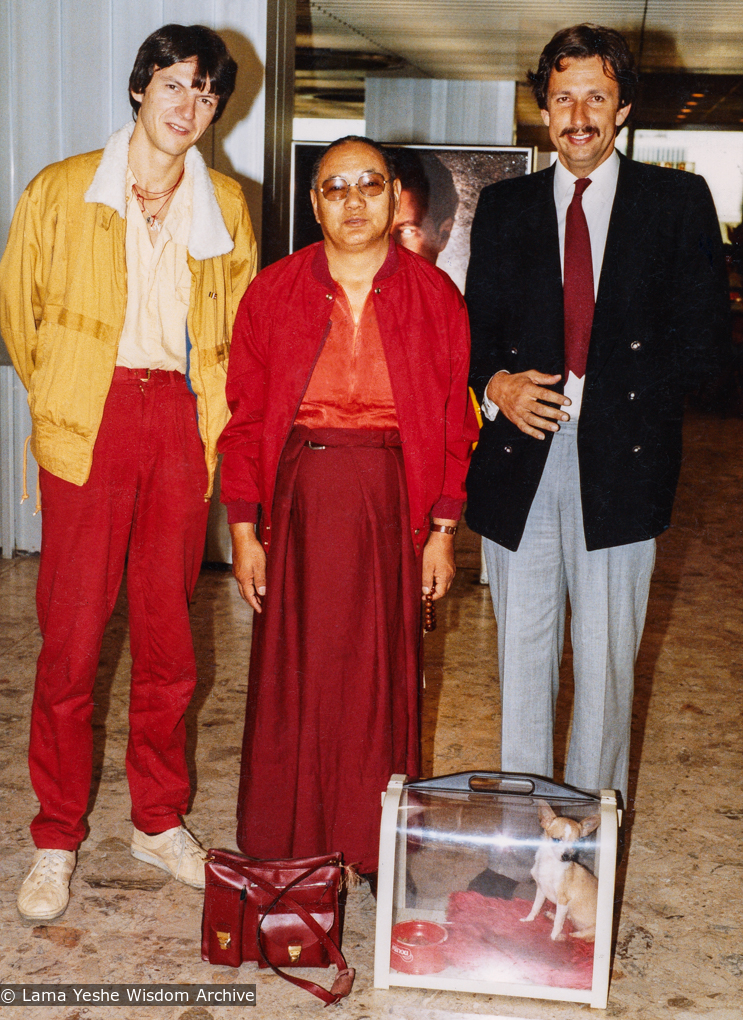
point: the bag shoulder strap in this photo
(345, 977)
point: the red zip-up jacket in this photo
(280, 329)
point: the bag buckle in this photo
(224, 939)
(295, 951)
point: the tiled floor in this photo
(679, 924)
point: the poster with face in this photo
(440, 188)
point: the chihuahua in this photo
(559, 877)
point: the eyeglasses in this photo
(336, 189)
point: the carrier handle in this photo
(520, 784)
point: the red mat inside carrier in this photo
(482, 930)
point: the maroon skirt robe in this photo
(335, 668)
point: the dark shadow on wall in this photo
(250, 77)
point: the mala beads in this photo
(429, 612)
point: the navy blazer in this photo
(660, 328)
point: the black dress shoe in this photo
(490, 883)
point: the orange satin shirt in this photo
(350, 385)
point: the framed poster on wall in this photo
(440, 188)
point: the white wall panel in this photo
(85, 76)
(64, 70)
(20, 527)
(189, 12)
(33, 51)
(440, 112)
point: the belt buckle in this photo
(314, 446)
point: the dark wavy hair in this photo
(582, 41)
(343, 141)
(172, 44)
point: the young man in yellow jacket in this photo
(118, 290)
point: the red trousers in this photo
(142, 505)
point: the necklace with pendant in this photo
(151, 219)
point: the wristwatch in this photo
(445, 529)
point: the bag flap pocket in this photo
(222, 926)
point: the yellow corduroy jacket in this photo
(63, 295)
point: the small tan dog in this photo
(560, 879)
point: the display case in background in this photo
(458, 905)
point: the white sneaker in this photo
(45, 892)
(174, 850)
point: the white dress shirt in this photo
(598, 199)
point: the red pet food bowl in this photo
(416, 947)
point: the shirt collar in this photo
(603, 178)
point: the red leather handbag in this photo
(277, 913)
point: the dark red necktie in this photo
(578, 294)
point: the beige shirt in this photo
(158, 284)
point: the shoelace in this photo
(48, 864)
(185, 846)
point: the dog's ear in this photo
(546, 814)
(589, 824)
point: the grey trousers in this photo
(608, 591)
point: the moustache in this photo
(589, 130)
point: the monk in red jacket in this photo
(343, 475)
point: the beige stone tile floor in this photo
(679, 918)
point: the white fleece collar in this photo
(208, 237)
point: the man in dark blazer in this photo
(594, 307)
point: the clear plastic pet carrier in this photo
(497, 883)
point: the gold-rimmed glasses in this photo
(370, 185)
